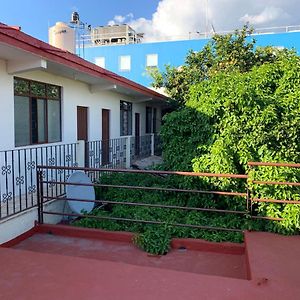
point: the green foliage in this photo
(154, 240)
(238, 104)
(235, 117)
(223, 53)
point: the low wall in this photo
(18, 224)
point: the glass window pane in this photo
(154, 120)
(124, 63)
(54, 127)
(41, 103)
(152, 60)
(100, 61)
(148, 119)
(22, 124)
(125, 118)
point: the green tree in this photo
(222, 53)
(239, 116)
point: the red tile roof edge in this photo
(16, 38)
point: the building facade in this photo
(132, 61)
(60, 110)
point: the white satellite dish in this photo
(80, 192)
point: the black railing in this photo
(106, 153)
(18, 182)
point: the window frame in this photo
(34, 97)
(151, 117)
(102, 59)
(125, 107)
(121, 69)
(151, 65)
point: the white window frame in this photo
(125, 63)
(100, 61)
(152, 60)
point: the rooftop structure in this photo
(114, 35)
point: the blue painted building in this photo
(132, 60)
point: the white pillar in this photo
(152, 143)
(128, 156)
(80, 153)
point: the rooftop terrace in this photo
(76, 263)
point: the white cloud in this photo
(176, 19)
(118, 19)
(269, 14)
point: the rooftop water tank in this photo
(62, 36)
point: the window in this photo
(37, 112)
(151, 60)
(124, 63)
(100, 61)
(125, 118)
(150, 120)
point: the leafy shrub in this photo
(154, 240)
(240, 117)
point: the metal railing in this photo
(140, 147)
(18, 178)
(18, 182)
(88, 41)
(246, 197)
(109, 153)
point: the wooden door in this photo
(105, 136)
(82, 123)
(137, 134)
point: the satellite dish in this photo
(80, 192)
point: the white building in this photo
(51, 99)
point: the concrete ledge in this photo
(191, 244)
(90, 233)
(202, 245)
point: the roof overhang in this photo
(23, 53)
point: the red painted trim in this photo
(30, 44)
(90, 233)
(202, 245)
(20, 238)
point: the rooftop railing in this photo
(244, 196)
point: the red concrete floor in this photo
(26, 274)
(201, 262)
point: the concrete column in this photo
(128, 156)
(152, 143)
(80, 153)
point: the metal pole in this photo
(40, 195)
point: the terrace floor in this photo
(82, 264)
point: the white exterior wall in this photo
(7, 134)
(74, 93)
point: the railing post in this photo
(128, 156)
(40, 194)
(80, 153)
(152, 144)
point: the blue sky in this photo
(158, 19)
(34, 16)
